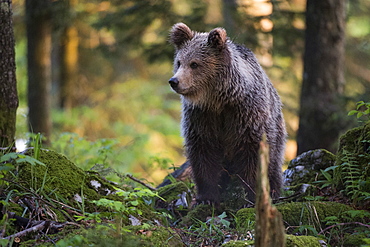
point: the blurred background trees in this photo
(39, 32)
(110, 62)
(321, 115)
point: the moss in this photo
(291, 241)
(299, 213)
(200, 212)
(172, 191)
(354, 146)
(355, 240)
(239, 243)
(132, 236)
(311, 213)
(159, 236)
(302, 241)
(60, 178)
(245, 219)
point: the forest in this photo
(86, 83)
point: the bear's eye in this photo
(193, 65)
(178, 64)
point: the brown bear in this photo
(228, 103)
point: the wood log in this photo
(269, 228)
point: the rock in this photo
(306, 167)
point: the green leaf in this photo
(223, 215)
(359, 104)
(353, 112)
(8, 156)
(134, 203)
(359, 114)
(330, 168)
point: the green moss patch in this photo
(60, 178)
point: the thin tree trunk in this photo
(323, 76)
(39, 66)
(229, 9)
(270, 231)
(8, 83)
(69, 59)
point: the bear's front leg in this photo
(206, 172)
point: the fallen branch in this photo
(343, 224)
(297, 194)
(38, 227)
(141, 182)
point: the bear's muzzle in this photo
(174, 83)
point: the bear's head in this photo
(199, 61)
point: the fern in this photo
(352, 176)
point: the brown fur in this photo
(228, 103)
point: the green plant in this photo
(9, 161)
(329, 177)
(306, 230)
(353, 177)
(132, 205)
(35, 141)
(211, 232)
(348, 176)
(362, 109)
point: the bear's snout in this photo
(174, 82)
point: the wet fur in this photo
(228, 102)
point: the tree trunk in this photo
(230, 13)
(69, 58)
(8, 83)
(38, 26)
(323, 77)
(270, 230)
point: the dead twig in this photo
(38, 227)
(343, 224)
(140, 182)
(35, 225)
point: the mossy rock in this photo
(355, 240)
(245, 219)
(291, 241)
(172, 192)
(305, 169)
(302, 241)
(200, 212)
(354, 148)
(312, 213)
(62, 178)
(299, 213)
(103, 235)
(239, 243)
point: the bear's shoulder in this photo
(244, 52)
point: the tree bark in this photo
(38, 26)
(230, 13)
(270, 231)
(323, 76)
(8, 83)
(69, 58)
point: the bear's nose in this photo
(174, 82)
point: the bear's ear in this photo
(217, 38)
(180, 33)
